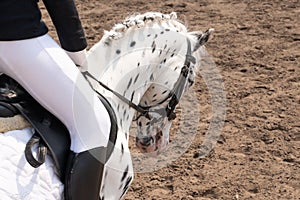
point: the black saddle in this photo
(50, 134)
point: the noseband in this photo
(174, 95)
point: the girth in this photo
(50, 134)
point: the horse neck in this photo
(130, 88)
(128, 80)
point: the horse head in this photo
(164, 94)
(150, 60)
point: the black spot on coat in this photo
(132, 95)
(126, 185)
(136, 78)
(132, 44)
(125, 173)
(122, 148)
(129, 83)
(151, 77)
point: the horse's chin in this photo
(153, 150)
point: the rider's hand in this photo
(80, 59)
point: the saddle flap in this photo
(14, 100)
(51, 135)
(52, 131)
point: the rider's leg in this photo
(49, 75)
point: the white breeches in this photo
(43, 68)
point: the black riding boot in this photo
(84, 174)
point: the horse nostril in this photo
(146, 141)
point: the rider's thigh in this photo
(50, 76)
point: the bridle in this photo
(174, 95)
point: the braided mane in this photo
(144, 20)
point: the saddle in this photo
(50, 134)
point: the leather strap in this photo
(7, 110)
(113, 127)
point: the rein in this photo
(175, 93)
(130, 103)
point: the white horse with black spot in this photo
(142, 67)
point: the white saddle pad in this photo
(18, 179)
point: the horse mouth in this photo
(150, 144)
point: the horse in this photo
(142, 67)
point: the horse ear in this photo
(202, 38)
